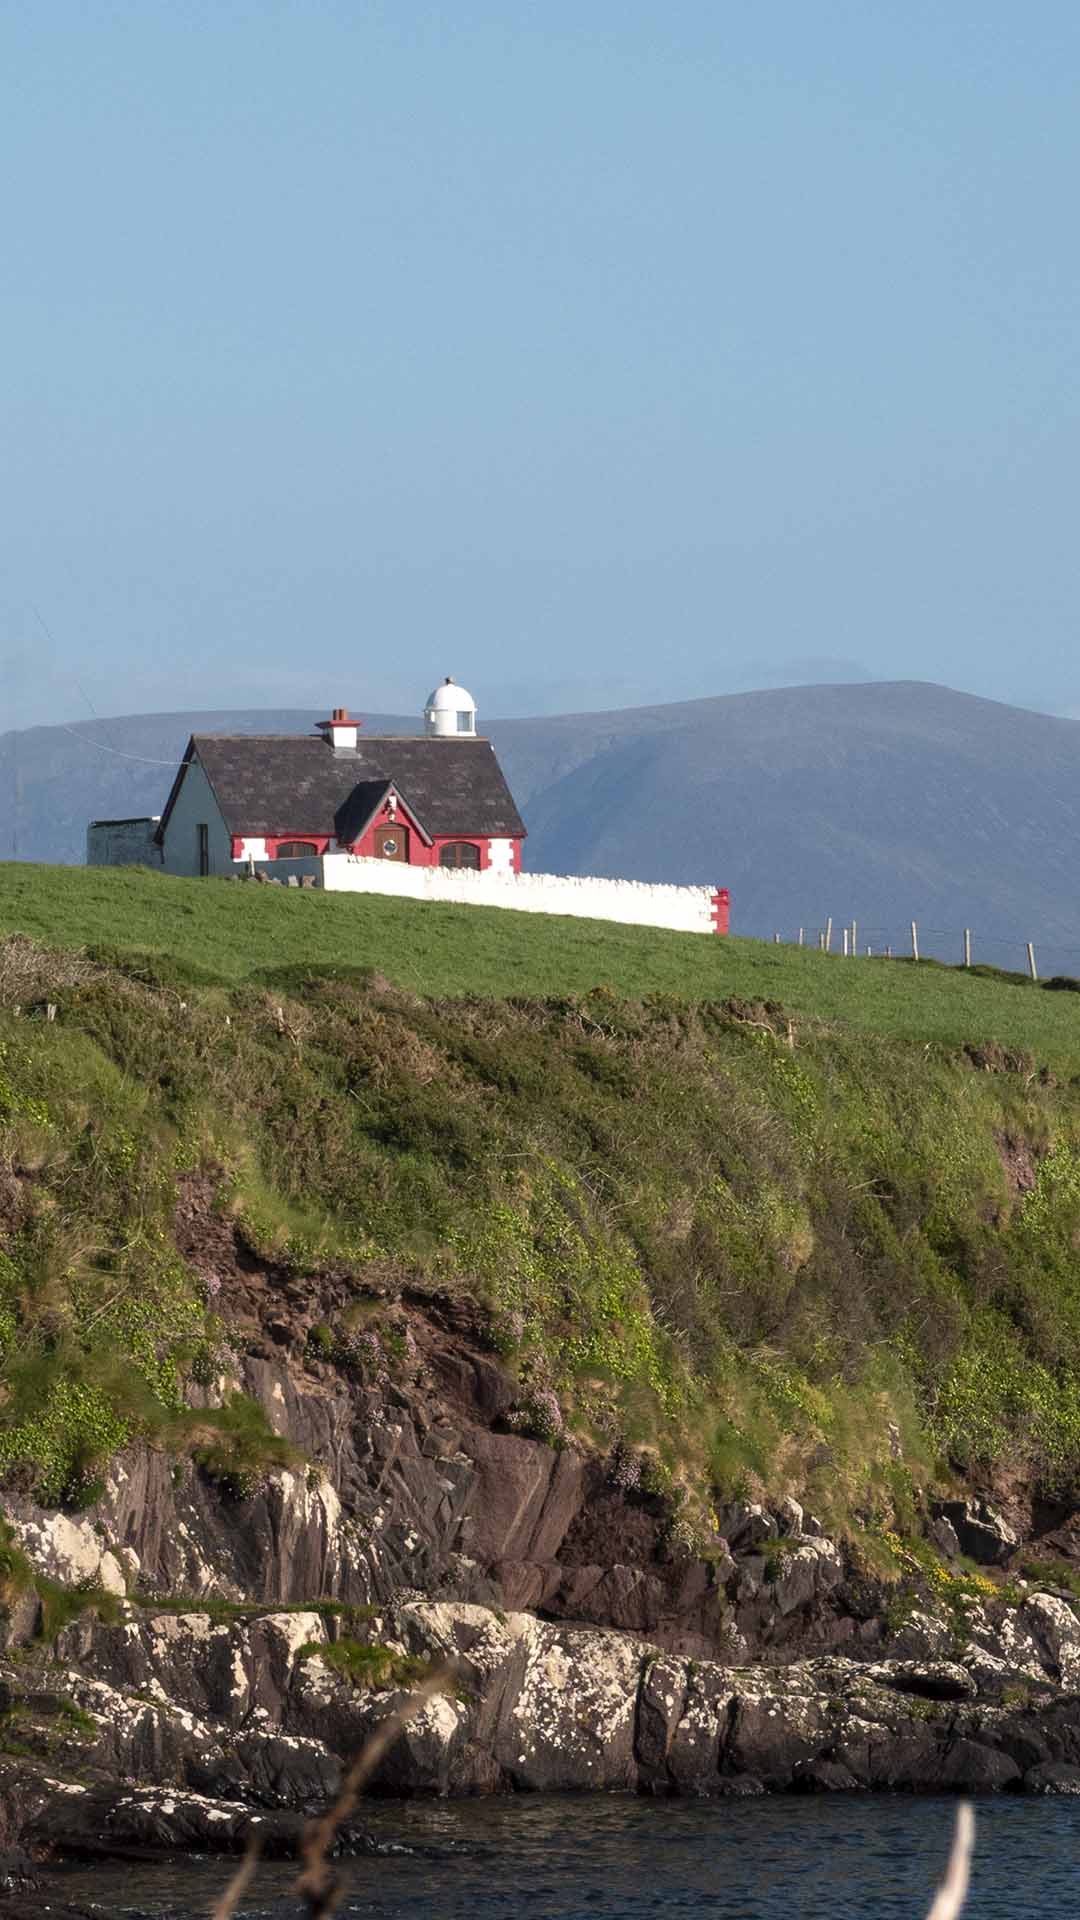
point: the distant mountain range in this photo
(879, 802)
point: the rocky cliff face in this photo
(237, 1643)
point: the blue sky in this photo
(595, 351)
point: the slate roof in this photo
(296, 783)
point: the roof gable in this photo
(365, 803)
(174, 791)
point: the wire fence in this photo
(953, 946)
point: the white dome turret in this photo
(450, 711)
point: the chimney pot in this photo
(340, 731)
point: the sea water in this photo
(874, 1857)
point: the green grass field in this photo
(218, 932)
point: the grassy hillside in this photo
(218, 932)
(743, 1239)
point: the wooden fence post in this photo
(800, 936)
(1032, 969)
(967, 946)
(914, 941)
(854, 937)
(828, 933)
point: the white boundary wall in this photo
(634, 903)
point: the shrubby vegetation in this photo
(368, 1664)
(736, 1243)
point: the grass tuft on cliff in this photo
(367, 1664)
(729, 1242)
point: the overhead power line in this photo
(102, 747)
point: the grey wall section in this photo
(196, 806)
(123, 843)
(309, 868)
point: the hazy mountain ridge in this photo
(881, 802)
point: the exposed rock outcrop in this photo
(408, 1486)
(212, 1726)
(979, 1530)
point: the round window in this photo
(389, 848)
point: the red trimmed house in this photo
(432, 799)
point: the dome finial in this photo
(450, 711)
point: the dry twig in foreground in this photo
(317, 1883)
(952, 1892)
(239, 1883)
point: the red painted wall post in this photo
(721, 910)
